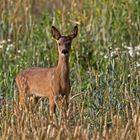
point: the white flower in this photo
(101, 53)
(7, 49)
(3, 42)
(117, 49)
(131, 52)
(137, 48)
(138, 53)
(113, 53)
(9, 40)
(138, 64)
(105, 56)
(19, 51)
(10, 45)
(1, 46)
(128, 48)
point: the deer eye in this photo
(69, 43)
(59, 44)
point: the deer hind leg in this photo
(65, 105)
(20, 90)
(34, 100)
(20, 98)
(52, 105)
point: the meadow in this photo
(104, 68)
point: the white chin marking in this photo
(64, 55)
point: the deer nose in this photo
(65, 51)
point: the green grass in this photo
(108, 86)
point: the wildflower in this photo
(10, 45)
(19, 51)
(138, 64)
(3, 42)
(113, 53)
(137, 48)
(105, 56)
(101, 53)
(117, 49)
(9, 40)
(138, 53)
(7, 49)
(1, 46)
(131, 52)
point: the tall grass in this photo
(104, 75)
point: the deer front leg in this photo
(66, 97)
(67, 102)
(52, 105)
(21, 98)
(67, 105)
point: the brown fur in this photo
(48, 82)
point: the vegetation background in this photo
(105, 93)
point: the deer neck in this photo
(62, 69)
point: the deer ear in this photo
(74, 32)
(55, 33)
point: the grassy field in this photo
(104, 61)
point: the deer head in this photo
(64, 42)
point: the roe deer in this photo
(49, 82)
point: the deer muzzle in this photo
(65, 51)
